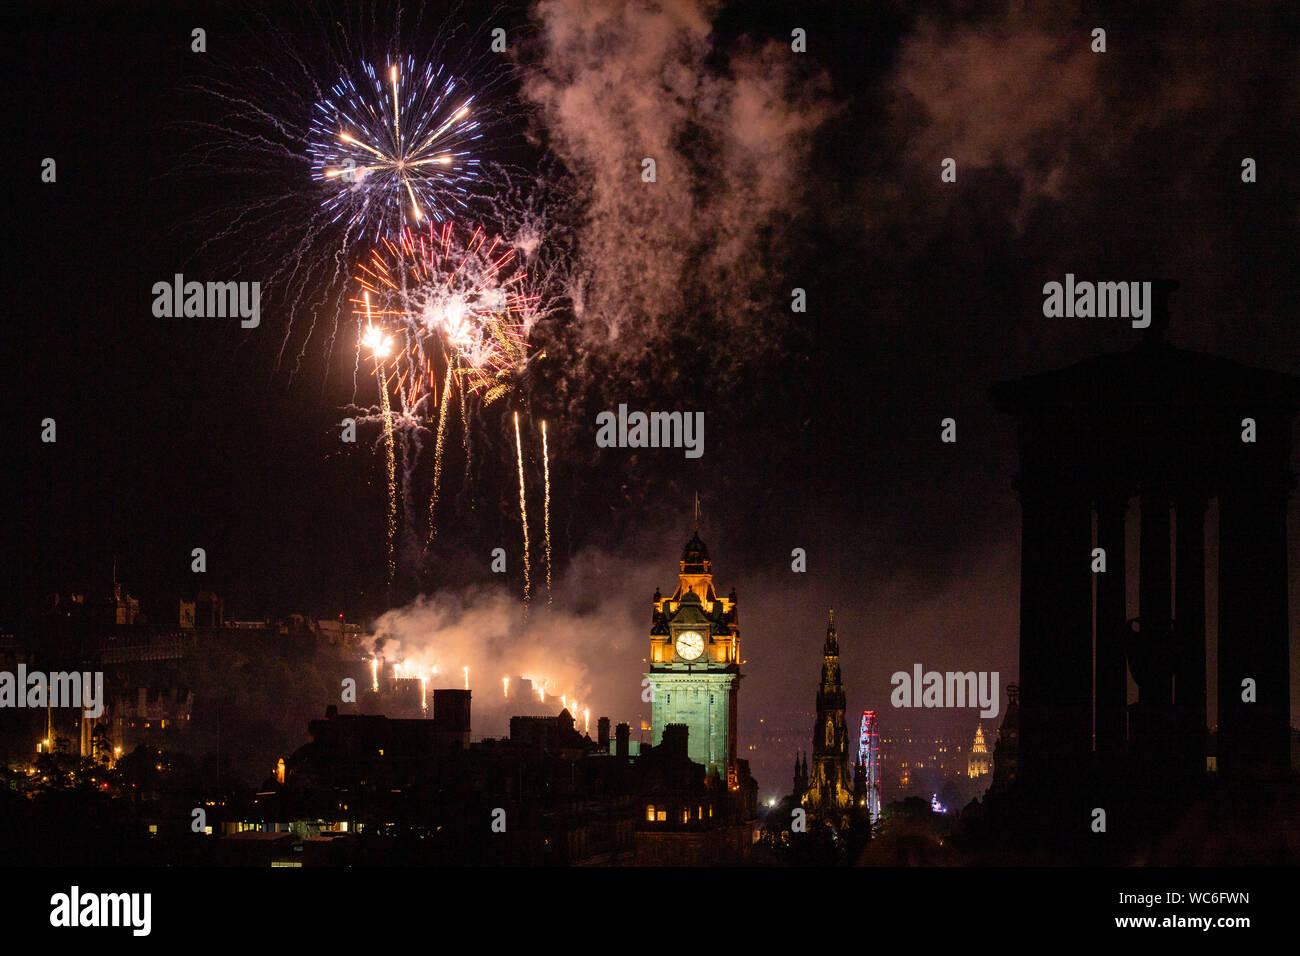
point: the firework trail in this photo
(380, 345)
(464, 431)
(546, 510)
(461, 300)
(523, 515)
(392, 477)
(437, 452)
(465, 443)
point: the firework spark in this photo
(523, 514)
(463, 303)
(380, 345)
(546, 510)
(467, 298)
(334, 127)
(438, 446)
(395, 147)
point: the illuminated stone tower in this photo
(830, 785)
(977, 765)
(695, 663)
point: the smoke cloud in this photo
(618, 83)
(1019, 92)
(585, 646)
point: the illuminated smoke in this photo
(588, 648)
(618, 82)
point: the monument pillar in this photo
(1189, 629)
(1111, 696)
(1055, 635)
(1254, 736)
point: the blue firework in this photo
(395, 148)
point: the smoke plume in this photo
(729, 132)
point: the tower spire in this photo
(832, 639)
(697, 512)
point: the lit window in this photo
(650, 813)
(661, 815)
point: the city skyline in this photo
(554, 434)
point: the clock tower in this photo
(695, 664)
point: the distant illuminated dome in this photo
(695, 557)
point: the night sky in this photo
(776, 170)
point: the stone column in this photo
(1253, 640)
(1154, 581)
(1055, 635)
(1189, 622)
(1111, 696)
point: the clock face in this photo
(690, 645)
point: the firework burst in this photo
(340, 147)
(395, 147)
(467, 299)
(330, 132)
(462, 304)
